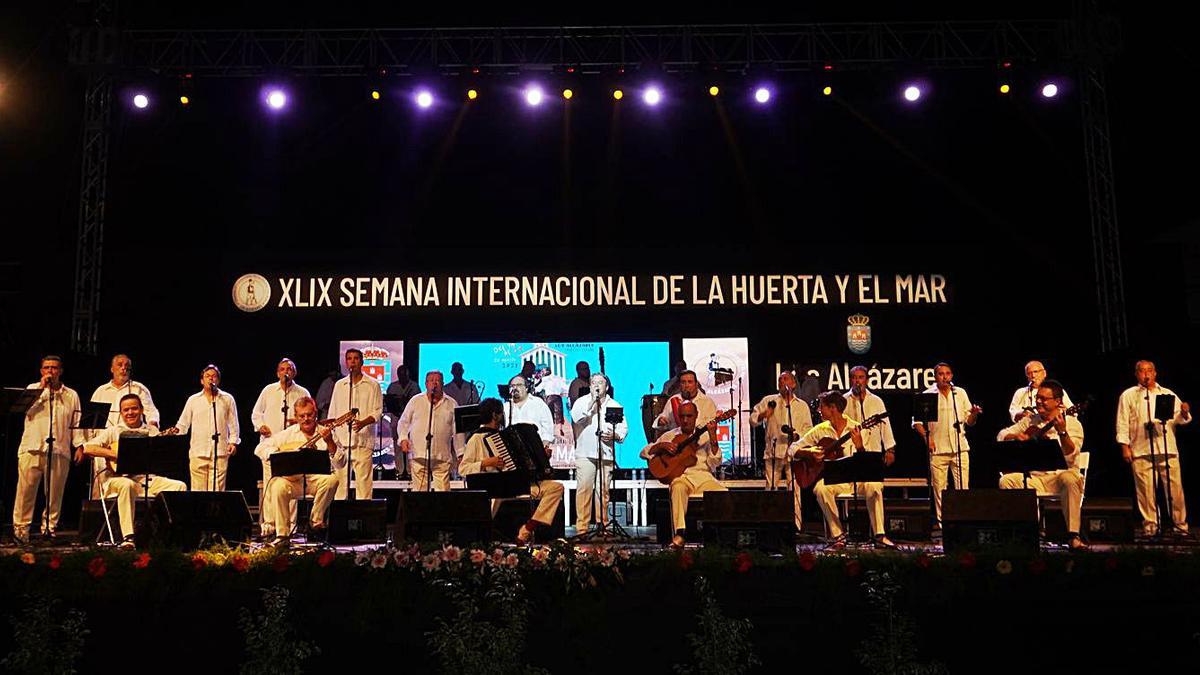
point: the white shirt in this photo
(290, 440)
(776, 418)
(37, 422)
(583, 422)
(198, 416)
(466, 394)
(268, 409)
(478, 449)
(111, 394)
(705, 411)
(367, 396)
(1074, 430)
(1132, 416)
(1026, 397)
(871, 405)
(532, 411)
(944, 442)
(415, 425)
(811, 439)
(708, 453)
(110, 438)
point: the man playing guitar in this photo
(696, 479)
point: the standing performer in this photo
(529, 409)
(1068, 432)
(786, 418)
(947, 439)
(429, 437)
(105, 448)
(1149, 451)
(696, 479)
(39, 464)
(671, 386)
(481, 456)
(363, 393)
(1024, 400)
(273, 412)
(111, 392)
(198, 417)
(689, 390)
(582, 382)
(832, 406)
(283, 491)
(463, 392)
(587, 415)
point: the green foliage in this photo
(892, 647)
(45, 640)
(723, 645)
(272, 645)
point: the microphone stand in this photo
(791, 430)
(50, 458)
(429, 449)
(1154, 469)
(1167, 467)
(349, 435)
(212, 484)
(958, 484)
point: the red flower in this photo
(326, 558)
(199, 562)
(1037, 566)
(853, 568)
(1111, 563)
(924, 561)
(142, 561)
(239, 562)
(55, 562)
(97, 567)
(967, 560)
(743, 562)
(686, 560)
(280, 563)
(808, 561)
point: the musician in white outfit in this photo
(689, 390)
(483, 456)
(786, 418)
(361, 392)
(946, 438)
(529, 410)
(273, 412)
(1024, 400)
(1151, 451)
(208, 414)
(429, 437)
(587, 415)
(121, 384)
(697, 478)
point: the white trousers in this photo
(827, 497)
(1143, 483)
(690, 484)
(202, 473)
(283, 491)
(1067, 484)
(549, 494)
(586, 499)
(31, 472)
(364, 475)
(420, 475)
(126, 490)
(941, 464)
(775, 471)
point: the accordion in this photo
(525, 462)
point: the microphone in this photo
(602, 359)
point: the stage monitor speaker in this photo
(758, 519)
(1103, 519)
(996, 519)
(660, 515)
(91, 521)
(357, 521)
(461, 517)
(516, 512)
(188, 520)
(903, 519)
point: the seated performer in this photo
(1068, 432)
(481, 456)
(273, 412)
(1150, 450)
(1024, 401)
(832, 406)
(283, 491)
(125, 489)
(698, 478)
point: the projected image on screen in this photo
(634, 368)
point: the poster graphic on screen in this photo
(722, 367)
(381, 360)
(633, 368)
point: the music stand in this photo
(925, 411)
(861, 467)
(301, 462)
(467, 417)
(1164, 411)
(1025, 457)
(611, 529)
(93, 416)
(15, 401)
(140, 455)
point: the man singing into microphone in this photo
(786, 418)
(428, 434)
(1024, 400)
(209, 413)
(363, 393)
(1147, 451)
(122, 385)
(526, 409)
(947, 437)
(689, 390)
(273, 412)
(587, 414)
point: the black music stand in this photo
(861, 467)
(140, 455)
(925, 411)
(1164, 411)
(15, 401)
(302, 462)
(93, 416)
(612, 530)
(1025, 457)
(467, 417)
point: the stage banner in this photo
(722, 366)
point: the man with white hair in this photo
(273, 412)
(120, 385)
(428, 435)
(1024, 400)
(594, 457)
(1151, 449)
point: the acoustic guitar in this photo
(807, 465)
(671, 457)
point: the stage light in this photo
(567, 94)
(828, 90)
(375, 94)
(714, 90)
(140, 101)
(1004, 88)
(276, 99)
(762, 94)
(424, 99)
(183, 100)
(1050, 90)
(618, 94)
(533, 95)
(472, 94)
(912, 92)
(652, 96)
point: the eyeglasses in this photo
(1040, 399)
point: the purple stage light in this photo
(276, 99)
(911, 93)
(1050, 90)
(533, 95)
(424, 99)
(762, 94)
(652, 96)
(140, 101)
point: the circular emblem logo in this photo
(251, 292)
